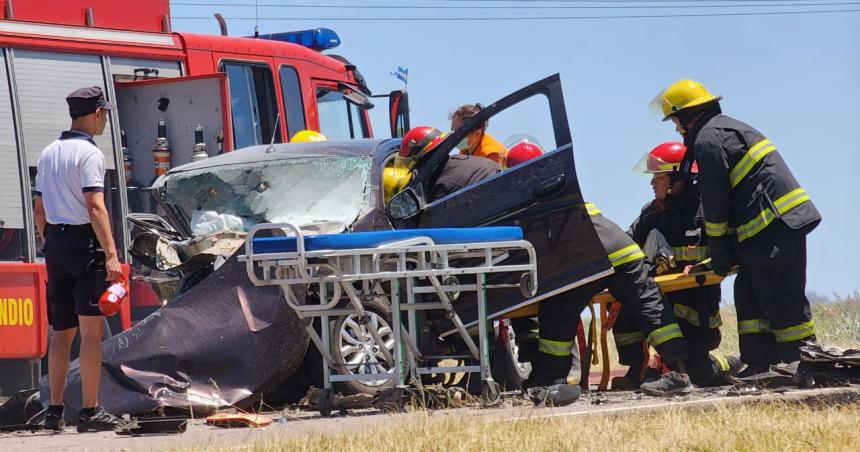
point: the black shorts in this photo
(76, 274)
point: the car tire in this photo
(354, 348)
(508, 372)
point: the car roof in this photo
(286, 151)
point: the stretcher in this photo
(343, 271)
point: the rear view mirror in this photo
(404, 205)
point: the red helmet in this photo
(419, 141)
(521, 152)
(665, 158)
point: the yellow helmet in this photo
(680, 95)
(305, 136)
(394, 179)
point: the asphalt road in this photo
(296, 422)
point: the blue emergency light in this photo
(318, 39)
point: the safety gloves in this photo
(723, 252)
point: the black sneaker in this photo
(100, 421)
(669, 384)
(54, 422)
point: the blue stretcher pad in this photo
(373, 239)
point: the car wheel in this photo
(356, 352)
(507, 370)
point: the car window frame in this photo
(428, 169)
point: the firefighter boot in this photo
(547, 385)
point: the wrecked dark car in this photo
(223, 341)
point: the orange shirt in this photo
(490, 148)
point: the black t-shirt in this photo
(461, 171)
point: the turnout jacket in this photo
(620, 248)
(744, 183)
(680, 220)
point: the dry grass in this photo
(774, 426)
(837, 323)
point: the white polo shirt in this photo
(66, 169)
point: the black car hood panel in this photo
(219, 343)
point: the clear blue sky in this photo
(794, 77)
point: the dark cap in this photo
(85, 101)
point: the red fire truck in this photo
(242, 91)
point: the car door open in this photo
(542, 196)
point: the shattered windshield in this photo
(300, 191)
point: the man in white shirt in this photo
(80, 255)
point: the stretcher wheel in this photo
(326, 402)
(491, 394)
(527, 287)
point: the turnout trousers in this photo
(774, 317)
(644, 307)
(645, 314)
(698, 313)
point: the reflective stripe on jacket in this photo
(744, 182)
(620, 248)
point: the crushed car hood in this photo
(220, 343)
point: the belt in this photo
(85, 228)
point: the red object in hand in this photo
(112, 298)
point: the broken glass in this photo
(301, 191)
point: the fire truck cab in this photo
(242, 91)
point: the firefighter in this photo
(670, 230)
(645, 315)
(478, 143)
(521, 151)
(80, 255)
(756, 215)
(459, 171)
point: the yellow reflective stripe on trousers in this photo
(795, 333)
(783, 205)
(722, 362)
(716, 229)
(665, 334)
(685, 253)
(627, 254)
(748, 161)
(753, 326)
(692, 317)
(628, 338)
(555, 348)
(592, 209)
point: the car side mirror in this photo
(405, 204)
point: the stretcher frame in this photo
(361, 273)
